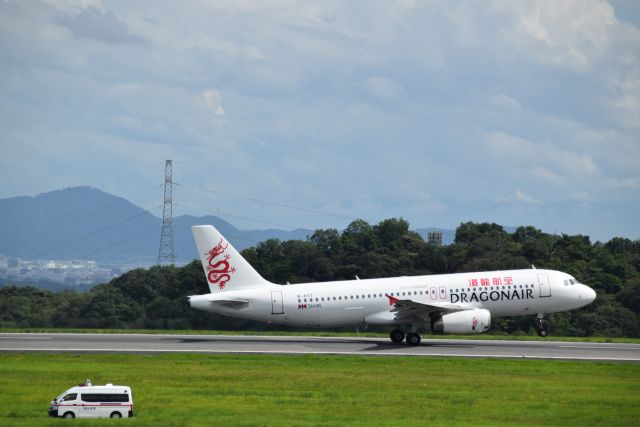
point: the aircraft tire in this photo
(413, 339)
(543, 332)
(397, 336)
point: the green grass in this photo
(315, 333)
(234, 390)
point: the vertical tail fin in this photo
(224, 267)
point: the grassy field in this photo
(312, 333)
(234, 390)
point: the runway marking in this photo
(340, 353)
(25, 338)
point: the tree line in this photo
(155, 298)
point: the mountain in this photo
(75, 223)
(87, 223)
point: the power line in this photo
(74, 221)
(230, 215)
(266, 202)
(121, 242)
(226, 235)
(100, 230)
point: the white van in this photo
(93, 401)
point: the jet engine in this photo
(462, 322)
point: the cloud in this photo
(580, 196)
(384, 87)
(504, 102)
(525, 198)
(213, 99)
(521, 152)
(100, 26)
(626, 101)
(440, 112)
(568, 34)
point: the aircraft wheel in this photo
(541, 327)
(397, 336)
(413, 339)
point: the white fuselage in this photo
(354, 302)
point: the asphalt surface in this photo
(152, 343)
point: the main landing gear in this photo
(412, 338)
(541, 325)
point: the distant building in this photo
(434, 237)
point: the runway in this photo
(226, 344)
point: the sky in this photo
(312, 114)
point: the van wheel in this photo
(115, 415)
(68, 415)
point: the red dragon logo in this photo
(219, 270)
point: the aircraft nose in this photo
(587, 294)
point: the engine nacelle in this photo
(462, 322)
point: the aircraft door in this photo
(277, 305)
(545, 286)
(433, 293)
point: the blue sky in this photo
(440, 112)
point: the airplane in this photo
(460, 303)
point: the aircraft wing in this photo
(406, 308)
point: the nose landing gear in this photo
(541, 325)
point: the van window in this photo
(103, 397)
(70, 396)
